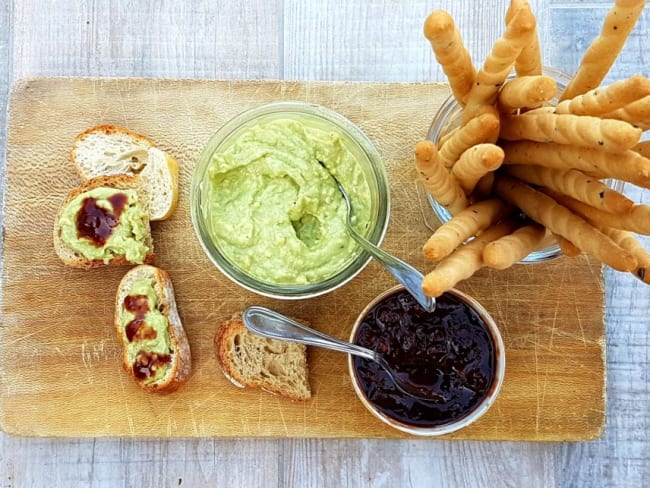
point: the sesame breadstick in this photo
(560, 220)
(575, 184)
(628, 166)
(463, 262)
(464, 225)
(475, 163)
(579, 130)
(603, 100)
(436, 179)
(448, 47)
(529, 62)
(499, 62)
(509, 249)
(482, 129)
(526, 92)
(602, 52)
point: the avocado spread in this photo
(93, 225)
(146, 331)
(274, 210)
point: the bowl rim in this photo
(379, 184)
(467, 419)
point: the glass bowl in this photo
(449, 117)
(269, 216)
(419, 345)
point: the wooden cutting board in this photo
(59, 357)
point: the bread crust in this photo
(71, 258)
(180, 368)
(224, 336)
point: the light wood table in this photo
(333, 40)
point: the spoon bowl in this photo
(274, 325)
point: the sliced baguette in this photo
(71, 257)
(248, 359)
(107, 150)
(179, 366)
(159, 179)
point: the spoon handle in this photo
(403, 272)
(269, 323)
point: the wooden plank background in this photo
(377, 40)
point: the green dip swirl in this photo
(275, 212)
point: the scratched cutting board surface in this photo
(60, 367)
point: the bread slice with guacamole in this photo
(248, 359)
(155, 349)
(107, 150)
(105, 221)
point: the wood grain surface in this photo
(365, 40)
(551, 314)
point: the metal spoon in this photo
(269, 323)
(403, 272)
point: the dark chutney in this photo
(96, 223)
(449, 353)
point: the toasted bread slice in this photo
(107, 150)
(248, 359)
(136, 232)
(156, 352)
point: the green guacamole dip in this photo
(275, 212)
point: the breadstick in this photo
(475, 163)
(483, 187)
(464, 225)
(637, 219)
(529, 61)
(575, 184)
(484, 128)
(463, 262)
(446, 136)
(602, 52)
(526, 92)
(567, 247)
(643, 148)
(601, 101)
(636, 113)
(558, 219)
(627, 241)
(627, 166)
(579, 130)
(499, 62)
(437, 180)
(448, 47)
(507, 250)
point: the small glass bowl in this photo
(411, 415)
(311, 115)
(449, 117)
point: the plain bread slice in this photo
(109, 150)
(248, 359)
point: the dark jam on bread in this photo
(97, 223)
(448, 352)
(147, 363)
(137, 329)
